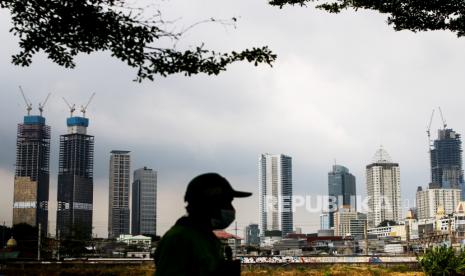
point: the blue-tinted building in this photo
(446, 160)
(144, 202)
(252, 235)
(341, 188)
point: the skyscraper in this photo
(275, 185)
(32, 172)
(383, 189)
(144, 202)
(446, 160)
(75, 180)
(341, 188)
(118, 213)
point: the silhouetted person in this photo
(190, 247)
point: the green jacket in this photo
(189, 250)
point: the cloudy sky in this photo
(342, 86)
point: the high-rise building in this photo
(348, 221)
(324, 221)
(446, 160)
(341, 189)
(144, 202)
(383, 189)
(275, 193)
(118, 213)
(75, 180)
(252, 235)
(32, 172)
(429, 200)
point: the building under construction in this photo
(31, 183)
(75, 181)
(446, 160)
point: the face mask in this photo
(225, 219)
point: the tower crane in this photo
(72, 108)
(442, 118)
(41, 105)
(84, 108)
(429, 129)
(28, 103)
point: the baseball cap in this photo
(210, 185)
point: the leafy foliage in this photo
(65, 28)
(387, 222)
(414, 15)
(443, 261)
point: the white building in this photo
(383, 189)
(135, 240)
(342, 218)
(275, 193)
(428, 201)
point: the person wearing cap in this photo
(190, 247)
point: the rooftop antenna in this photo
(442, 118)
(28, 103)
(41, 106)
(72, 108)
(429, 129)
(84, 108)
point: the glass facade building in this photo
(32, 173)
(75, 181)
(446, 160)
(252, 235)
(341, 188)
(144, 202)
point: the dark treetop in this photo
(413, 15)
(64, 28)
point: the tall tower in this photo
(31, 183)
(75, 180)
(446, 160)
(144, 202)
(275, 185)
(341, 187)
(118, 213)
(383, 189)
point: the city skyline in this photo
(341, 86)
(78, 126)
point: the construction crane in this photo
(442, 118)
(41, 106)
(72, 108)
(429, 129)
(84, 108)
(28, 103)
